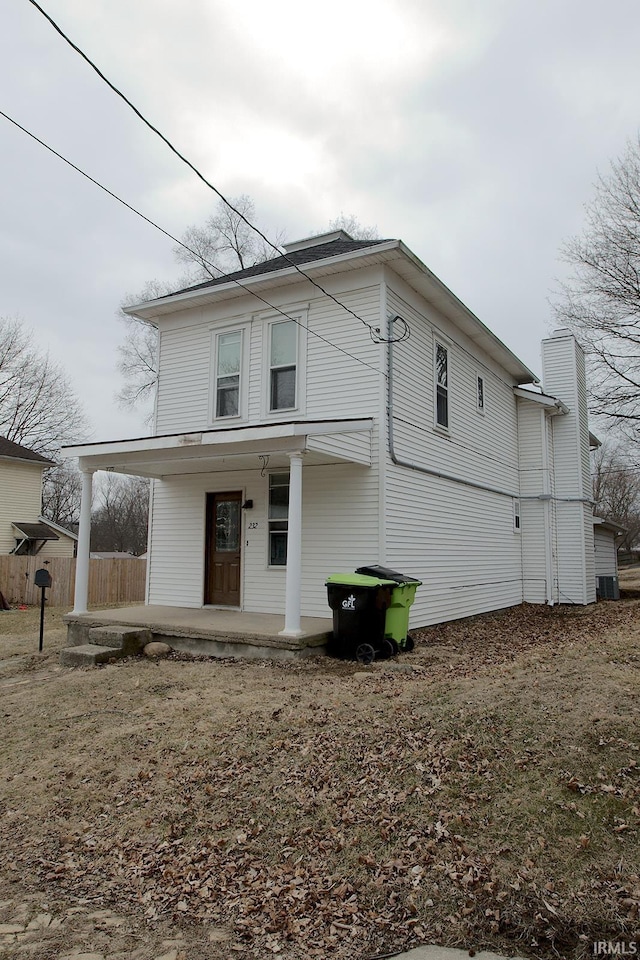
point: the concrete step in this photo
(88, 655)
(129, 640)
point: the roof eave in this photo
(445, 298)
(199, 296)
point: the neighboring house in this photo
(23, 531)
(292, 441)
(606, 536)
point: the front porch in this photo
(209, 632)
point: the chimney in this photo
(564, 377)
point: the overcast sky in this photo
(471, 129)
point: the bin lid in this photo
(377, 571)
(358, 580)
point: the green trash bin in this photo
(402, 597)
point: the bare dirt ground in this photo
(482, 791)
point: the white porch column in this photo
(81, 595)
(294, 551)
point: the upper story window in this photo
(480, 395)
(516, 516)
(283, 362)
(442, 386)
(228, 352)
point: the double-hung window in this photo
(278, 518)
(442, 386)
(228, 354)
(283, 362)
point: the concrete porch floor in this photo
(208, 631)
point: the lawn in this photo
(482, 791)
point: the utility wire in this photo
(621, 470)
(374, 332)
(185, 246)
(630, 469)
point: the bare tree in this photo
(223, 244)
(600, 302)
(120, 515)
(61, 494)
(351, 225)
(37, 406)
(616, 490)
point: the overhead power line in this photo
(152, 223)
(374, 332)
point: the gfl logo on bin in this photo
(349, 603)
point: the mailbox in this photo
(42, 578)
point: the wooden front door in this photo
(222, 562)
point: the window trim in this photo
(441, 427)
(517, 515)
(481, 407)
(243, 385)
(282, 472)
(300, 316)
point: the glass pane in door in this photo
(227, 522)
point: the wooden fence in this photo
(110, 581)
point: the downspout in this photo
(546, 489)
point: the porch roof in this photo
(236, 448)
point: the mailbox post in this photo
(43, 580)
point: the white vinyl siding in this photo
(336, 498)
(457, 539)
(606, 554)
(184, 379)
(336, 376)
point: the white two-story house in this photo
(339, 406)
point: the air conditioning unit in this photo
(608, 588)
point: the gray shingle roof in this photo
(17, 452)
(322, 251)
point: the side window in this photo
(278, 518)
(283, 352)
(442, 386)
(516, 516)
(480, 395)
(228, 361)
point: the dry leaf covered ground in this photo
(483, 790)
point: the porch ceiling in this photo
(238, 448)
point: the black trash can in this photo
(359, 604)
